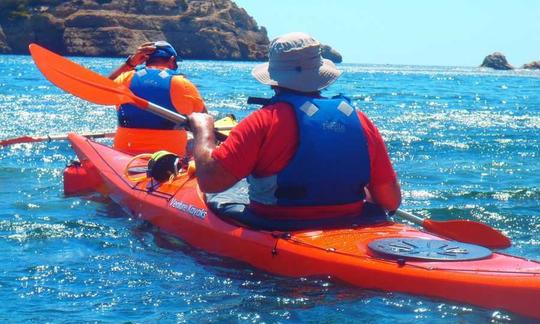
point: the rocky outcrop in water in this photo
(329, 53)
(496, 61)
(211, 29)
(535, 65)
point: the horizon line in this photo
(262, 61)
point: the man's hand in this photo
(142, 54)
(201, 124)
(212, 177)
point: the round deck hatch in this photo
(427, 249)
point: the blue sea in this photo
(464, 141)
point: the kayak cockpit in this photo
(241, 214)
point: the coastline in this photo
(345, 65)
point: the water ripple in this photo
(464, 142)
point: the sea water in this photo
(464, 142)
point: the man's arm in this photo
(384, 188)
(186, 97)
(140, 56)
(387, 195)
(212, 177)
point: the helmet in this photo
(163, 50)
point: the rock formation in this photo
(329, 53)
(4, 48)
(496, 61)
(535, 65)
(209, 29)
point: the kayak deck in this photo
(499, 281)
(355, 243)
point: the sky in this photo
(419, 32)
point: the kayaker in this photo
(151, 73)
(305, 156)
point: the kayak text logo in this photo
(188, 208)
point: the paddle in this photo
(88, 85)
(223, 128)
(461, 230)
(48, 138)
(91, 86)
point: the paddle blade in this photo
(469, 232)
(80, 81)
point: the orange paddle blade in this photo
(80, 81)
(469, 232)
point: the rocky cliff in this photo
(209, 29)
(198, 29)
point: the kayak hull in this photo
(498, 282)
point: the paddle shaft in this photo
(166, 113)
(180, 119)
(48, 138)
(410, 217)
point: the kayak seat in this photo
(240, 213)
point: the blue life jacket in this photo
(331, 165)
(153, 85)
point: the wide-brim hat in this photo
(295, 62)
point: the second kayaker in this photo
(305, 156)
(151, 73)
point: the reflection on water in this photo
(464, 142)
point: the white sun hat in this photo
(295, 62)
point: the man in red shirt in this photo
(305, 156)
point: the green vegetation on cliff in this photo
(16, 9)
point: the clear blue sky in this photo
(436, 32)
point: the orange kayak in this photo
(354, 254)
